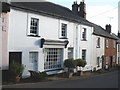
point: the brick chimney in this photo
(82, 10)
(108, 28)
(75, 7)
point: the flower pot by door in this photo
(17, 79)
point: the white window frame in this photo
(31, 57)
(29, 25)
(98, 42)
(63, 32)
(84, 34)
(114, 44)
(84, 54)
(33, 26)
(53, 58)
(107, 43)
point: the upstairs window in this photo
(107, 43)
(64, 30)
(98, 43)
(114, 44)
(84, 34)
(34, 26)
(118, 48)
(84, 54)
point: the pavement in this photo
(106, 80)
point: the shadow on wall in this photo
(37, 43)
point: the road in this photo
(107, 80)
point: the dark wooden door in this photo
(15, 56)
(111, 60)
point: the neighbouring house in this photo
(118, 51)
(41, 35)
(4, 15)
(118, 48)
(110, 50)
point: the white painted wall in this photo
(85, 45)
(49, 28)
(97, 52)
(0, 41)
(118, 53)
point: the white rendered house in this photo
(42, 35)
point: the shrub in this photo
(38, 76)
(16, 69)
(70, 64)
(80, 62)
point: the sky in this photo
(100, 12)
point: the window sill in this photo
(97, 46)
(33, 36)
(63, 38)
(83, 40)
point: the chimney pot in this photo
(108, 28)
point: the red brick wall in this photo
(110, 51)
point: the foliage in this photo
(38, 76)
(16, 69)
(70, 64)
(80, 62)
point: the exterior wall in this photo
(4, 41)
(97, 52)
(19, 41)
(85, 45)
(0, 41)
(111, 51)
(118, 53)
(49, 29)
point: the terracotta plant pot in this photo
(69, 74)
(17, 79)
(80, 73)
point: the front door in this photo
(111, 60)
(33, 58)
(15, 56)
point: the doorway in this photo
(15, 56)
(111, 60)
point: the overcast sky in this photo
(101, 12)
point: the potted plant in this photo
(16, 69)
(80, 63)
(70, 64)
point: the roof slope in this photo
(62, 12)
(51, 9)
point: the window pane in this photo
(64, 30)
(34, 26)
(53, 58)
(84, 54)
(84, 34)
